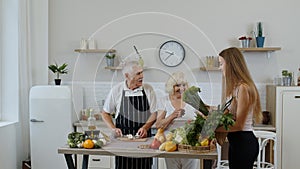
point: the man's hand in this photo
(142, 132)
(117, 132)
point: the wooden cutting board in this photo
(132, 140)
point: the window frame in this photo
(1, 55)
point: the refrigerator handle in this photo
(35, 120)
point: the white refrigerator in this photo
(284, 104)
(51, 119)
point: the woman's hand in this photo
(178, 113)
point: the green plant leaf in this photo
(110, 55)
(58, 69)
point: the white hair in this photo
(128, 66)
(175, 78)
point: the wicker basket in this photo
(197, 149)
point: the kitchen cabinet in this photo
(290, 121)
(284, 103)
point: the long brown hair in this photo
(236, 73)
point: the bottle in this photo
(91, 121)
(298, 77)
(92, 124)
(141, 61)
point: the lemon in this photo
(204, 142)
(170, 146)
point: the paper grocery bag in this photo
(221, 137)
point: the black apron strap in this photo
(134, 112)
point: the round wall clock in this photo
(171, 53)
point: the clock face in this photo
(171, 53)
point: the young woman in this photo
(243, 145)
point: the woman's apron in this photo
(134, 112)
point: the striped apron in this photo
(134, 112)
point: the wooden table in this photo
(128, 149)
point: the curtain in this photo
(25, 77)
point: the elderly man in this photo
(135, 106)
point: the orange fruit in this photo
(88, 144)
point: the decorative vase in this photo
(110, 62)
(287, 81)
(245, 43)
(57, 81)
(260, 40)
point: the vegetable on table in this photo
(75, 139)
(191, 96)
(160, 135)
(170, 146)
(155, 144)
(203, 127)
(80, 140)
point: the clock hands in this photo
(170, 54)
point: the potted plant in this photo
(245, 41)
(260, 39)
(110, 59)
(58, 70)
(287, 77)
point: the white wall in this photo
(221, 21)
(123, 24)
(39, 41)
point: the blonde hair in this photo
(175, 78)
(237, 73)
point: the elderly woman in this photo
(173, 113)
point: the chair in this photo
(221, 164)
(264, 137)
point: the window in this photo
(1, 19)
(9, 60)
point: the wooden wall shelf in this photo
(113, 67)
(118, 67)
(210, 68)
(95, 50)
(266, 49)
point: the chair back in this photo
(264, 137)
(221, 164)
